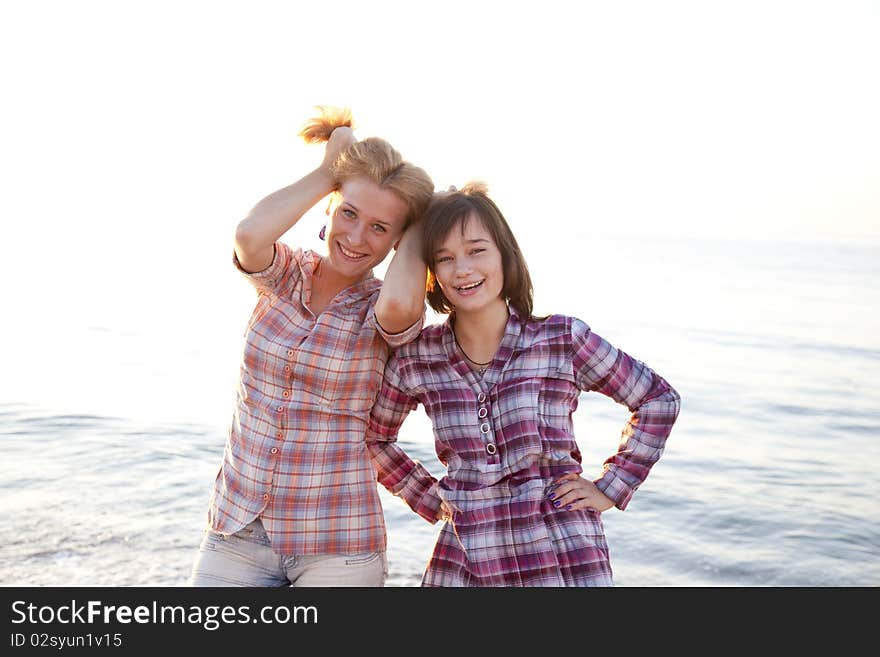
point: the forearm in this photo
(654, 405)
(275, 215)
(405, 478)
(401, 301)
(643, 440)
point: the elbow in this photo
(407, 310)
(661, 389)
(396, 315)
(244, 237)
(673, 393)
(673, 401)
(663, 402)
(251, 245)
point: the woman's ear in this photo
(396, 244)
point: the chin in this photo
(475, 305)
(470, 305)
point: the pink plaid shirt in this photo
(295, 455)
(505, 438)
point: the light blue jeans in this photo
(245, 558)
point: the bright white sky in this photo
(135, 135)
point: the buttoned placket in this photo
(485, 386)
(275, 450)
(484, 418)
(280, 424)
(482, 385)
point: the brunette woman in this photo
(500, 387)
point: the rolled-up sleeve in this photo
(283, 271)
(600, 367)
(403, 476)
(406, 336)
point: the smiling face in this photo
(367, 221)
(468, 267)
(465, 215)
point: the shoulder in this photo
(427, 346)
(287, 255)
(422, 365)
(289, 259)
(550, 329)
(283, 270)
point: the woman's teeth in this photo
(350, 254)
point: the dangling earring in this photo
(323, 234)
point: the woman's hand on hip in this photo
(444, 512)
(572, 492)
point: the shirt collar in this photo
(512, 331)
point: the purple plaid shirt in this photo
(295, 455)
(505, 437)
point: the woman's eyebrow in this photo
(356, 209)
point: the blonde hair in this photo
(372, 158)
(319, 128)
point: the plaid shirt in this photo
(295, 455)
(505, 437)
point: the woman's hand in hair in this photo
(340, 139)
(572, 492)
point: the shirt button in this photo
(287, 368)
(485, 427)
(290, 352)
(279, 434)
(266, 496)
(481, 397)
(483, 412)
(285, 394)
(279, 409)
(274, 450)
(491, 448)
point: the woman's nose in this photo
(463, 267)
(356, 235)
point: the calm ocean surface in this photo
(111, 432)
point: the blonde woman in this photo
(295, 499)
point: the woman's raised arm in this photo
(401, 301)
(279, 211)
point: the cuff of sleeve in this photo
(404, 337)
(269, 272)
(429, 504)
(419, 490)
(615, 488)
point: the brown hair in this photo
(454, 208)
(374, 159)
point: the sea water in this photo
(112, 426)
